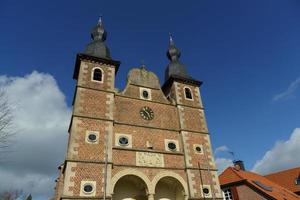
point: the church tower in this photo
(147, 142)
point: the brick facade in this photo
(108, 114)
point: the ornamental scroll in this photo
(149, 159)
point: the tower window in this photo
(92, 137)
(198, 148)
(123, 141)
(145, 93)
(172, 146)
(97, 75)
(206, 190)
(88, 188)
(188, 93)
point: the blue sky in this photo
(245, 52)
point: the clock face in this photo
(147, 113)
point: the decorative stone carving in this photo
(149, 159)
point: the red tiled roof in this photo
(286, 178)
(234, 176)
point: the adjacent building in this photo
(238, 184)
(148, 141)
(289, 179)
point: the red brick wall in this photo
(91, 103)
(196, 100)
(246, 193)
(89, 172)
(140, 136)
(128, 111)
(85, 76)
(202, 158)
(83, 150)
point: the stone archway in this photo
(169, 186)
(130, 187)
(130, 184)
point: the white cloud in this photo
(41, 117)
(283, 155)
(289, 92)
(222, 149)
(222, 164)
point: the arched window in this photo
(97, 74)
(188, 93)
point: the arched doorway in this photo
(130, 187)
(169, 188)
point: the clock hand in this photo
(148, 114)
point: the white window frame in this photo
(167, 141)
(230, 194)
(198, 145)
(119, 135)
(88, 194)
(209, 195)
(87, 133)
(149, 93)
(186, 87)
(92, 75)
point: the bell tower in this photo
(88, 160)
(184, 92)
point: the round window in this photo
(145, 94)
(92, 137)
(88, 188)
(172, 146)
(205, 191)
(123, 141)
(198, 149)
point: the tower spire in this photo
(98, 47)
(175, 67)
(100, 20)
(171, 38)
(173, 53)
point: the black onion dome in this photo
(175, 67)
(98, 47)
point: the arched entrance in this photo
(169, 188)
(130, 187)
